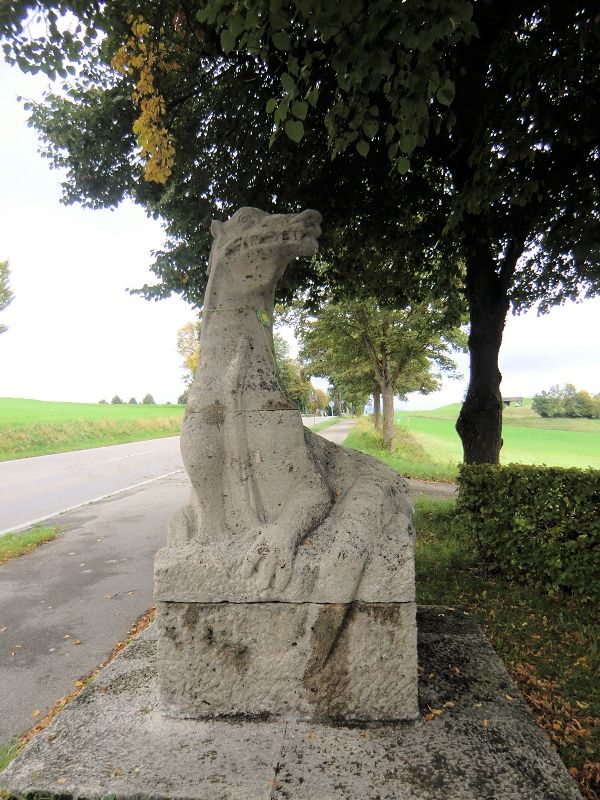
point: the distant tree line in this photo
(148, 400)
(566, 402)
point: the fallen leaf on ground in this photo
(77, 641)
(79, 684)
(37, 712)
(4, 629)
(61, 781)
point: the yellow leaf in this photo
(485, 723)
(36, 713)
(79, 684)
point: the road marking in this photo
(54, 514)
(131, 455)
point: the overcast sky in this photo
(76, 334)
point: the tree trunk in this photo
(479, 423)
(388, 414)
(377, 409)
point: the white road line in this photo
(16, 528)
(132, 455)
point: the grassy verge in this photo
(551, 647)
(17, 544)
(8, 751)
(408, 456)
(326, 423)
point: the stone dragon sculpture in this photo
(276, 512)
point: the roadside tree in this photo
(361, 344)
(188, 347)
(290, 376)
(6, 296)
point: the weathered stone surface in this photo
(352, 661)
(114, 742)
(276, 514)
(266, 495)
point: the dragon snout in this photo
(310, 218)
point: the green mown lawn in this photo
(528, 438)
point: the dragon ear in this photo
(216, 228)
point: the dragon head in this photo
(252, 249)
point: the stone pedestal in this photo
(354, 661)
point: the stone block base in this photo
(354, 661)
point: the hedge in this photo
(537, 525)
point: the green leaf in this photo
(370, 128)
(288, 83)
(282, 111)
(271, 105)
(403, 165)
(294, 129)
(281, 40)
(445, 94)
(227, 41)
(312, 96)
(363, 147)
(300, 109)
(236, 25)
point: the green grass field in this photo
(38, 427)
(528, 438)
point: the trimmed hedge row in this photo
(537, 525)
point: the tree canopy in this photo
(464, 134)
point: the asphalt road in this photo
(64, 606)
(34, 489)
